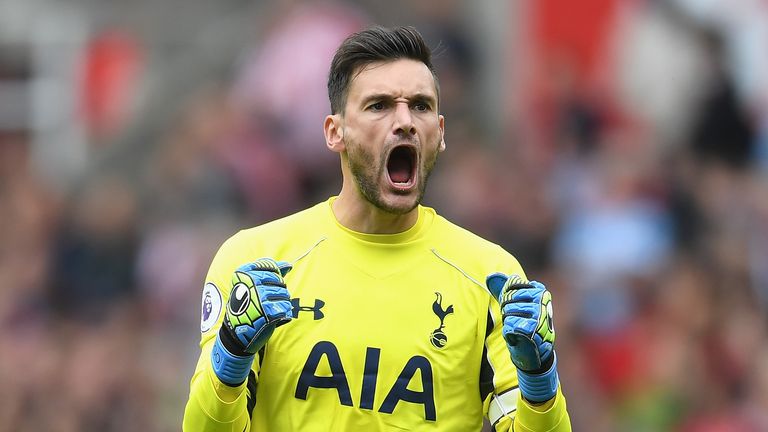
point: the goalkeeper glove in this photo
(258, 303)
(526, 309)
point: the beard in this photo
(368, 175)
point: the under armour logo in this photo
(318, 314)
(438, 337)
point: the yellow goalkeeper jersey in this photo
(390, 332)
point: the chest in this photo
(369, 338)
(418, 306)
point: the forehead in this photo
(400, 77)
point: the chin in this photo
(398, 204)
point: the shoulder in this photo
(280, 238)
(450, 236)
(469, 251)
(302, 221)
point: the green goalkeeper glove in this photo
(258, 303)
(529, 332)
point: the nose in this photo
(403, 119)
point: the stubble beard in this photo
(367, 176)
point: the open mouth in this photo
(401, 166)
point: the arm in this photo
(213, 405)
(223, 387)
(524, 336)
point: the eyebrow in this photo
(417, 97)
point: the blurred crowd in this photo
(629, 174)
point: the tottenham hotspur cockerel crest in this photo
(438, 337)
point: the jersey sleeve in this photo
(504, 405)
(213, 405)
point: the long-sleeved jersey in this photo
(390, 332)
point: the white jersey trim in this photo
(445, 260)
(503, 404)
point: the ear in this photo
(334, 133)
(441, 125)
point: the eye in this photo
(376, 106)
(421, 106)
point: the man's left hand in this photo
(529, 331)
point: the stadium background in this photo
(619, 148)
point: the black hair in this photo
(374, 44)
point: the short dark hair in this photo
(374, 44)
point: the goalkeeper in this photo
(370, 311)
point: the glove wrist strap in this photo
(230, 368)
(541, 387)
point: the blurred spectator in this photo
(95, 251)
(110, 70)
(28, 212)
(721, 130)
(189, 177)
(281, 86)
(611, 233)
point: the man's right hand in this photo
(258, 303)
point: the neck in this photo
(356, 213)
